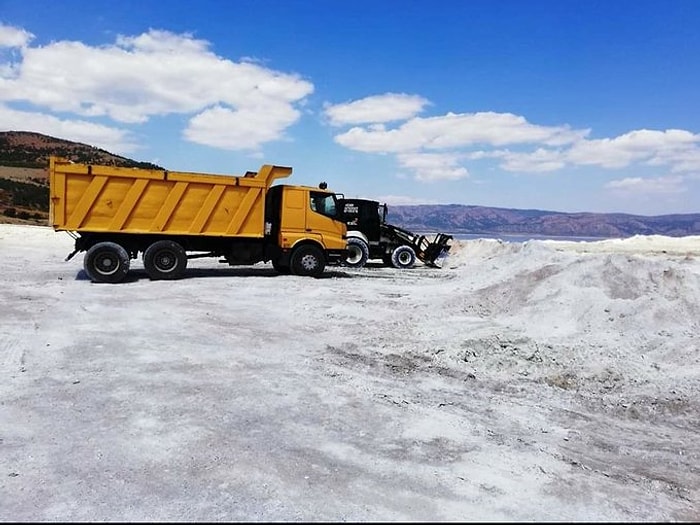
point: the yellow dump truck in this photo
(115, 213)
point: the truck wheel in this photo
(358, 253)
(106, 262)
(307, 260)
(165, 260)
(403, 257)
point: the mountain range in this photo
(24, 199)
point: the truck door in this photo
(309, 214)
(324, 216)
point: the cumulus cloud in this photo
(539, 161)
(14, 37)
(635, 146)
(677, 149)
(434, 148)
(652, 186)
(456, 131)
(438, 147)
(376, 109)
(112, 139)
(403, 200)
(155, 74)
(221, 126)
(433, 166)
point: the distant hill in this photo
(457, 218)
(24, 149)
(24, 198)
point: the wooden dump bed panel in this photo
(131, 200)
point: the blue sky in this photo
(554, 105)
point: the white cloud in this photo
(457, 131)
(429, 167)
(221, 126)
(14, 36)
(677, 149)
(539, 161)
(376, 109)
(449, 137)
(436, 148)
(114, 140)
(403, 200)
(653, 186)
(154, 74)
(634, 146)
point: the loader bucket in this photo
(437, 251)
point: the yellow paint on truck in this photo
(111, 199)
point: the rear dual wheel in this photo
(165, 260)
(106, 262)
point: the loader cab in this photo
(364, 215)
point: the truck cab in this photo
(306, 219)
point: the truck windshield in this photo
(324, 203)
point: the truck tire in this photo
(307, 260)
(403, 257)
(358, 253)
(165, 260)
(106, 262)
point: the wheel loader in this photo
(370, 237)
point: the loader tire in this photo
(403, 257)
(308, 260)
(358, 253)
(106, 262)
(165, 260)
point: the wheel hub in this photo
(308, 262)
(355, 254)
(165, 261)
(106, 264)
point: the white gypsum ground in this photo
(537, 381)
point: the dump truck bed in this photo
(91, 198)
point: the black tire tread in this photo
(115, 249)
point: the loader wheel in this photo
(358, 253)
(403, 257)
(106, 262)
(165, 260)
(307, 260)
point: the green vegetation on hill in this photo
(26, 195)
